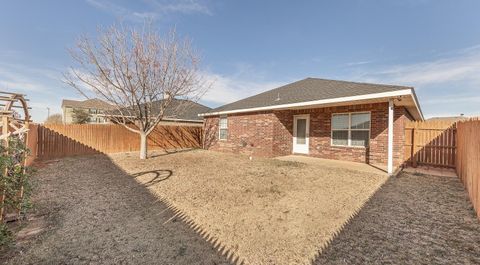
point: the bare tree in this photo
(54, 119)
(139, 72)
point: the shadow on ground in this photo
(412, 219)
(98, 214)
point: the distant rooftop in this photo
(450, 118)
(178, 109)
(93, 103)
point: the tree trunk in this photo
(143, 145)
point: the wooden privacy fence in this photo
(32, 140)
(468, 159)
(431, 143)
(55, 141)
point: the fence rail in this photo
(431, 143)
(468, 159)
(55, 141)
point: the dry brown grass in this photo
(98, 214)
(263, 211)
(412, 219)
(192, 207)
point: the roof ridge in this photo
(309, 89)
(357, 82)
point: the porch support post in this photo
(390, 137)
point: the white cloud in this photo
(42, 86)
(357, 63)
(454, 99)
(447, 85)
(180, 6)
(23, 86)
(227, 89)
(23, 78)
(463, 66)
(155, 9)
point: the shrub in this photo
(6, 236)
(15, 177)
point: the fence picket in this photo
(54, 141)
(431, 143)
(468, 159)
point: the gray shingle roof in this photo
(93, 103)
(178, 109)
(305, 90)
(182, 109)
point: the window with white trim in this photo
(351, 129)
(223, 128)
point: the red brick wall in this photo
(248, 133)
(270, 134)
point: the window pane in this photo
(223, 134)
(340, 121)
(361, 121)
(223, 123)
(360, 138)
(301, 131)
(340, 137)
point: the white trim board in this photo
(386, 95)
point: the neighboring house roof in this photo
(93, 103)
(452, 118)
(179, 109)
(318, 92)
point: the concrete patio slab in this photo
(433, 171)
(330, 163)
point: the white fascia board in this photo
(390, 94)
(415, 100)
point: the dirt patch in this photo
(98, 214)
(412, 219)
(263, 211)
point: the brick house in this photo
(330, 119)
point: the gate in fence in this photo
(431, 143)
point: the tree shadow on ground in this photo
(412, 219)
(158, 176)
(102, 215)
(158, 153)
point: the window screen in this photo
(351, 129)
(223, 128)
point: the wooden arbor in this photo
(15, 119)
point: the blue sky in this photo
(253, 46)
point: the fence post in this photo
(414, 148)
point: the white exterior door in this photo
(301, 128)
